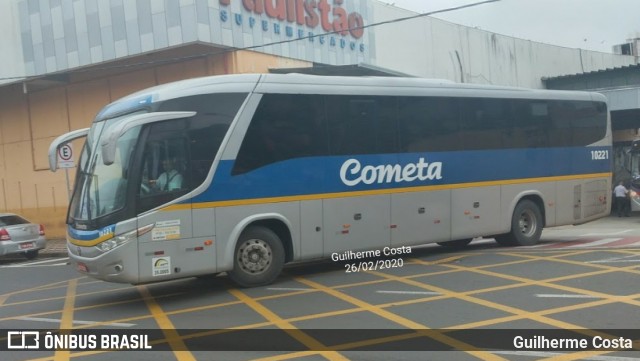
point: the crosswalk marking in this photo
(52, 262)
(597, 243)
(606, 234)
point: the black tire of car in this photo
(526, 226)
(258, 258)
(31, 254)
(458, 243)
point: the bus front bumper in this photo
(118, 265)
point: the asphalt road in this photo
(581, 279)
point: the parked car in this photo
(19, 236)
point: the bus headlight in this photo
(117, 241)
(634, 194)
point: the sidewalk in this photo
(55, 248)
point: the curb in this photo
(55, 247)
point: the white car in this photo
(19, 236)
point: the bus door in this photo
(634, 170)
(165, 175)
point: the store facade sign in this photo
(317, 20)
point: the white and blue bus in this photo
(280, 168)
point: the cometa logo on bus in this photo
(353, 173)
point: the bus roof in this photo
(316, 84)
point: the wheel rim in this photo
(528, 223)
(255, 256)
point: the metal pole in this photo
(66, 174)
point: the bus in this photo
(627, 171)
(279, 168)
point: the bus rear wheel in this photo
(258, 258)
(458, 243)
(526, 226)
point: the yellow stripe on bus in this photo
(86, 243)
(306, 197)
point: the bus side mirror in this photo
(59, 142)
(110, 138)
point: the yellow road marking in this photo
(66, 321)
(49, 299)
(579, 263)
(289, 328)
(601, 269)
(417, 327)
(167, 327)
(516, 311)
(61, 284)
(607, 299)
(287, 356)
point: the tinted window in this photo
(448, 124)
(285, 126)
(12, 220)
(531, 126)
(577, 123)
(361, 125)
(429, 124)
(177, 154)
(288, 126)
(484, 123)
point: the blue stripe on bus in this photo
(317, 175)
(81, 235)
(321, 175)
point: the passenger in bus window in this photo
(170, 179)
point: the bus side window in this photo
(485, 123)
(285, 126)
(205, 131)
(531, 124)
(428, 124)
(588, 123)
(361, 124)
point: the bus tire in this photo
(526, 226)
(458, 243)
(258, 258)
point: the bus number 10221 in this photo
(599, 154)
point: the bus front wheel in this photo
(526, 226)
(258, 258)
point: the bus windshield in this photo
(175, 146)
(100, 189)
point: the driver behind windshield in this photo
(170, 179)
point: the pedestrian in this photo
(621, 192)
